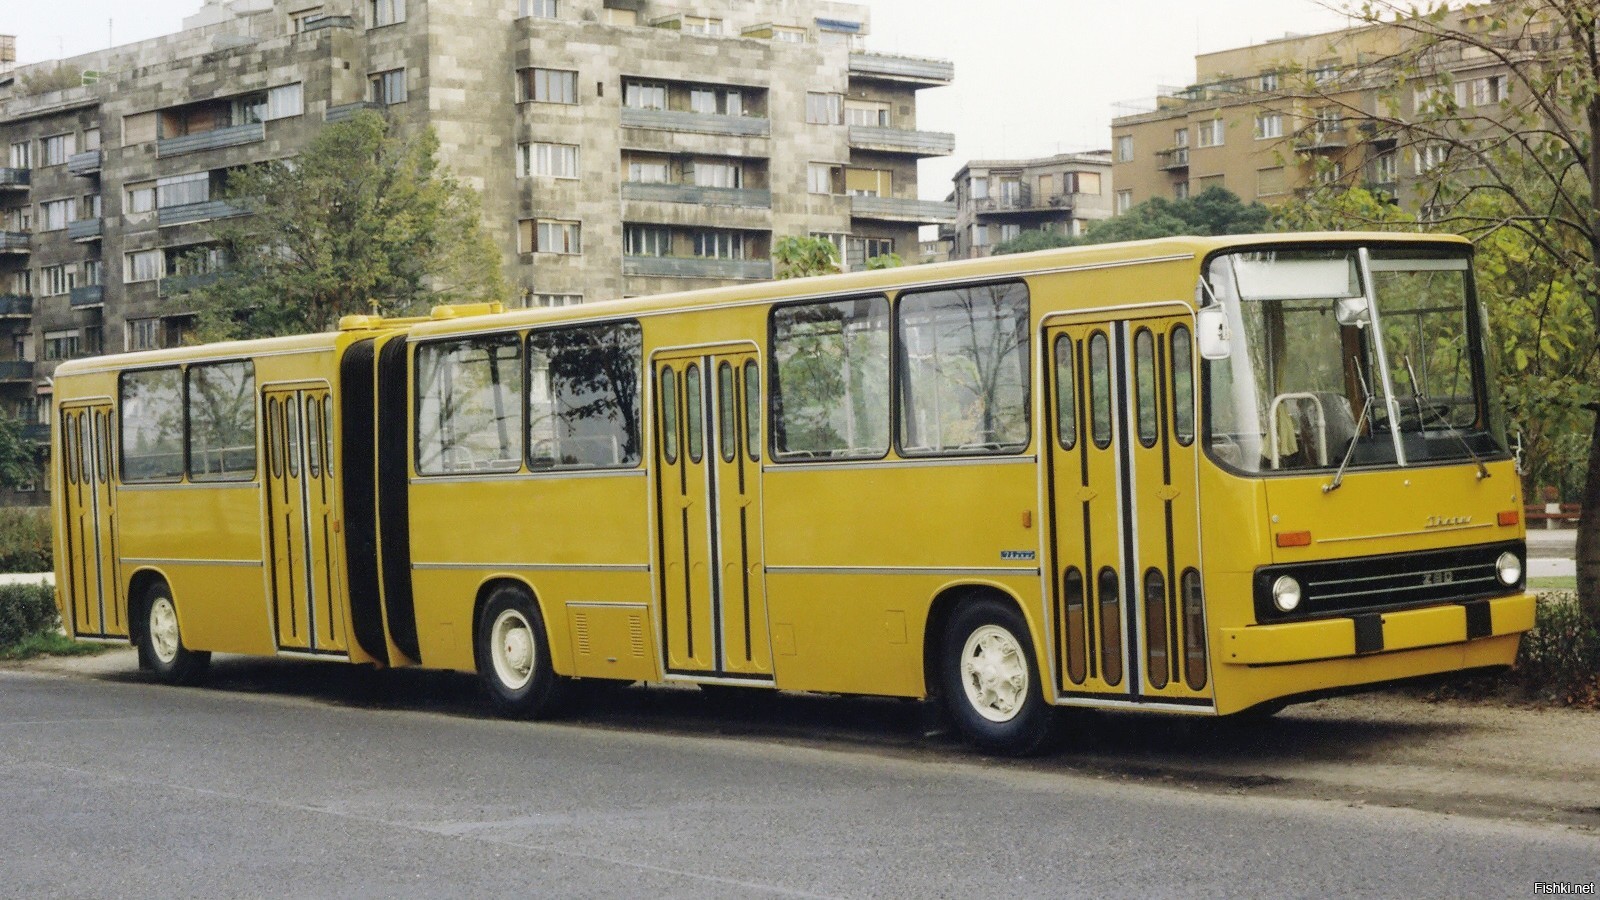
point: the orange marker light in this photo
(1294, 539)
(1509, 517)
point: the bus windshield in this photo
(1378, 356)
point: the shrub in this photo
(26, 610)
(25, 539)
(1560, 657)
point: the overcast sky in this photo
(1033, 77)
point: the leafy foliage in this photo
(26, 610)
(803, 257)
(363, 221)
(25, 539)
(1559, 659)
(885, 261)
(19, 457)
(1213, 211)
(1031, 240)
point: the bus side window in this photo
(1182, 386)
(693, 420)
(669, 416)
(102, 445)
(327, 434)
(1144, 369)
(752, 408)
(1100, 389)
(69, 449)
(1066, 395)
(275, 436)
(313, 438)
(727, 412)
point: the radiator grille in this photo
(1395, 581)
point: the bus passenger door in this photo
(708, 493)
(1127, 611)
(305, 586)
(87, 470)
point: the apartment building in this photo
(1273, 119)
(621, 147)
(998, 199)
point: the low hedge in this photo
(25, 539)
(1560, 658)
(26, 610)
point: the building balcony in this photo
(16, 242)
(900, 140)
(330, 22)
(85, 230)
(913, 69)
(175, 285)
(1334, 139)
(198, 212)
(85, 164)
(15, 179)
(348, 110)
(703, 123)
(696, 267)
(1172, 158)
(894, 209)
(36, 432)
(88, 296)
(231, 136)
(755, 198)
(16, 370)
(15, 306)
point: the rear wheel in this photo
(990, 682)
(514, 657)
(161, 647)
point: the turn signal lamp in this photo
(1294, 538)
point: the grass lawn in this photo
(1554, 583)
(50, 644)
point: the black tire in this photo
(997, 711)
(161, 649)
(514, 658)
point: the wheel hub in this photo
(994, 673)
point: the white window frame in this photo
(284, 102)
(1124, 148)
(539, 9)
(142, 334)
(143, 265)
(54, 215)
(647, 240)
(645, 95)
(1124, 201)
(559, 236)
(551, 86)
(56, 148)
(1210, 133)
(1269, 125)
(547, 160)
(386, 12)
(387, 87)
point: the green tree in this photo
(1517, 172)
(19, 457)
(1213, 211)
(362, 221)
(885, 261)
(1031, 240)
(803, 257)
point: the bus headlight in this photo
(1286, 593)
(1508, 568)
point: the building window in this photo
(182, 190)
(708, 101)
(551, 160)
(870, 114)
(647, 240)
(718, 244)
(140, 197)
(1489, 91)
(1270, 182)
(556, 299)
(718, 174)
(1325, 71)
(1009, 231)
(1124, 201)
(22, 155)
(1210, 133)
(1431, 156)
(57, 148)
(57, 280)
(55, 214)
(1330, 120)
(1385, 168)
(539, 9)
(388, 87)
(1330, 173)
(143, 265)
(555, 236)
(89, 207)
(1124, 148)
(640, 95)
(387, 12)
(980, 235)
(22, 283)
(549, 86)
(646, 170)
(143, 334)
(94, 340)
(93, 272)
(62, 344)
(1180, 137)
(824, 178)
(1180, 190)
(19, 219)
(824, 109)
(784, 34)
(1269, 125)
(284, 101)
(701, 25)
(300, 20)
(1268, 81)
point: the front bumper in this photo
(1379, 632)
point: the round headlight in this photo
(1286, 593)
(1508, 568)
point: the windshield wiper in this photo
(1366, 407)
(1483, 471)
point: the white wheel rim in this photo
(511, 649)
(164, 629)
(994, 673)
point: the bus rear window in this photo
(152, 425)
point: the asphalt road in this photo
(305, 779)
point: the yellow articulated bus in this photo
(1192, 475)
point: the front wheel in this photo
(161, 648)
(990, 682)
(514, 657)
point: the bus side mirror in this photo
(1348, 311)
(1212, 333)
